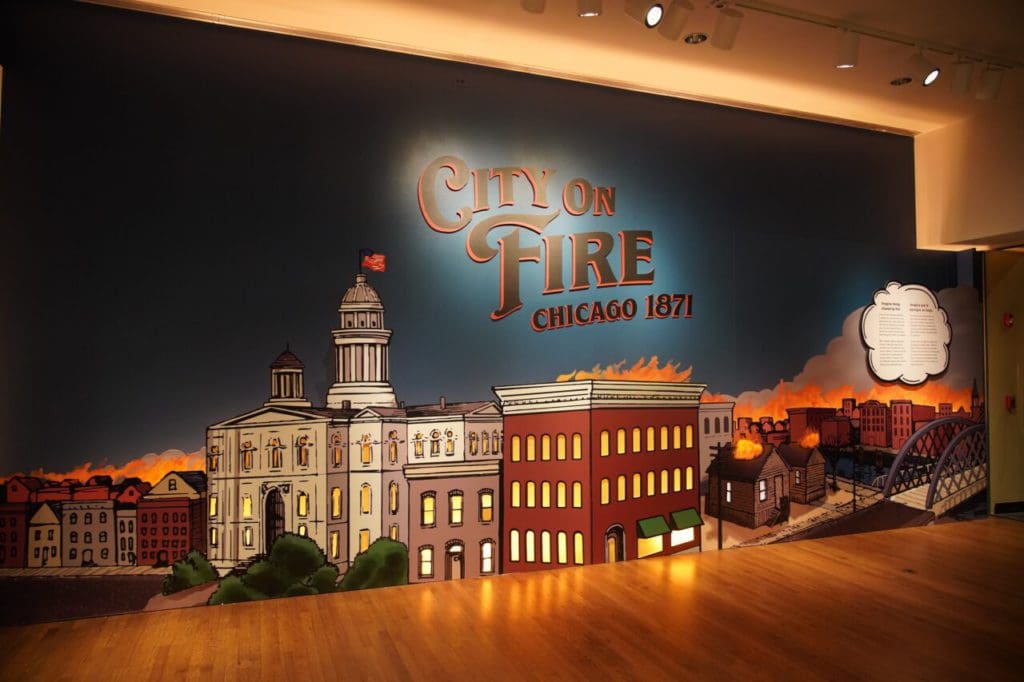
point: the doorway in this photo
(454, 563)
(614, 545)
(779, 490)
(273, 518)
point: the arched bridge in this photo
(941, 465)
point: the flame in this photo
(150, 468)
(747, 449)
(640, 371)
(810, 439)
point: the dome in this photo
(361, 293)
(287, 360)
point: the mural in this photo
(498, 341)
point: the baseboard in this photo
(1009, 507)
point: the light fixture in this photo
(991, 81)
(695, 38)
(676, 16)
(902, 80)
(963, 69)
(533, 6)
(923, 70)
(727, 26)
(647, 13)
(588, 8)
(849, 47)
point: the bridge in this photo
(942, 464)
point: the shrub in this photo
(384, 564)
(193, 570)
(295, 566)
(232, 590)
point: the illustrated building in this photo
(803, 420)
(127, 534)
(836, 431)
(715, 423)
(171, 519)
(598, 471)
(13, 533)
(806, 472)
(88, 533)
(44, 536)
(749, 492)
(875, 425)
(906, 416)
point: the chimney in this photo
(346, 404)
(444, 403)
(401, 403)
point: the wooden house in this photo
(753, 492)
(806, 472)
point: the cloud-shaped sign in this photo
(907, 334)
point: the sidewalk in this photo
(81, 571)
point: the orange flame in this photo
(640, 371)
(747, 449)
(150, 468)
(810, 439)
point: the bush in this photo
(296, 566)
(385, 563)
(193, 570)
(324, 579)
(232, 590)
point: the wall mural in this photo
(500, 339)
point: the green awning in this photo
(650, 527)
(687, 518)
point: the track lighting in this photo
(647, 13)
(676, 16)
(991, 81)
(963, 69)
(923, 70)
(533, 6)
(727, 26)
(588, 8)
(849, 47)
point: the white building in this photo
(715, 430)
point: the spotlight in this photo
(963, 69)
(676, 16)
(533, 6)
(991, 81)
(922, 69)
(727, 26)
(647, 13)
(588, 8)
(849, 46)
(695, 38)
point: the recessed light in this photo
(695, 38)
(902, 80)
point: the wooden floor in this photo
(944, 602)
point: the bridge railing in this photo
(914, 465)
(964, 462)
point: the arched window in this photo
(393, 447)
(513, 545)
(677, 437)
(651, 484)
(650, 439)
(689, 478)
(417, 444)
(336, 450)
(302, 451)
(213, 538)
(531, 448)
(246, 453)
(605, 443)
(103, 536)
(577, 548)
(495, 442)
(486, 557)
(103, 517)
(276, 453)
(515, 493)
(427, 561)
(486, 506)
(485, 444)
(74, 518)
(449, 442)
(707, 425)
(726, 424)
(393, 497)
(335, 503)
(637, 445)
(638, 484)
(577, 495)
(516, 445)
(620, 441)
(74, 536)
(621, 487)
(530, 539)
(302, 502)
(531, 494)
(606, 492)
(577, 446)
(545, 494)
(213, 459)
(455, 500)
(718, 425)
(545, 448)
(545, 546)
(560, 497)
(474, 443)
(563, 547)
(677, 480)
(689, 435)
(663, 433)
(435, 443)
(213, 506)
(365, 498)
(664, 481)
(366, 449)
(428, 508)
(560, 446)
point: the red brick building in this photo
(875, 425)
(598, 471)
(172, 518)
(803, 420)
(906, 416)
(836, 431)
(21, 489)
(13, 534)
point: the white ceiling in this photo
(777, 64)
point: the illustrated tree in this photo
(191, 571)
(385, 563)
(832, 453)
(295, 566)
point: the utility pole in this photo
(718, 473)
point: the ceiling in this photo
(778, 63)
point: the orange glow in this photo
(150, 468)
(640, 371)
(747, 449)
(810, 439)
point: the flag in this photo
(373, 261)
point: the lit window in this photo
(247, 507)
(577, 548)
(545, 547)
(560, 446)
(247, 450)
(364, 539)
(797, 472)
(689, 435)
(762, 490)
(577, 495)
(393, 531)
(677, 440)
(365, 499)
(681, 537)
(336, 451)
(689, 478)
(474, 443)
(677, 480)
(664, 481)
(435, 443)
(302, 530)
(302, 451)
(515, 493)
(487, 556)
(335, 503)
(621, 485)
(213, 537)
(531, 548)
(486, 443)
(577, 446)
(728, 491)
(531, 448)
(213, 459)
(427, 506)
(605, 491)
(649, 546)
(545, 494)
(560, 496)
(276, 450)
(513, 545)
(516, 442)
(651, 484)
(335, 536)
(366, 449)
(455, 508)
(303, 504)
(247, 536)
(605, 444)
(213, 506)
(426, 562)
(393, 447)
(663, 432)
(638, 483)
(650, 439)
(393, 497)
(449, 442)
(563, 547)
(636, 439)
(545, 448)
(417, 444)
(531, 494)
(486, 506)
(620, 441)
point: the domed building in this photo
(360, 467)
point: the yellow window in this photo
(577, 548)
(648, 546)
(531, 549)
(393, 532)
(487, 557)
(303, 504)
(334, 544)
(247, 507)
(577, 495)
(677, 480)
(486, 506)
(302, 530)
(455, 509)
(636, 439)
(247, 536)
(514, 493)
(561, 495)
(545, 494)
(577, 446)
(664, 437)
(393, 497)
(545, 547)
(213, 505)
(213, 539)
(650, 439)
(531, 448)
(427, 510)
(650, 483)
(365, 499)
(545, 448)
(664, 481)
(689, 478)
(515, 448)
(560, 446)
(426, 562)
(638, 484)
(366, 449)
(605, 491)
(605, 444)
(513, 545)
(621, 485)
(620, 441)
(531, 494)
(563, 547)
(364, 540)
(689, 435)
(335, 503)
(677, 437)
